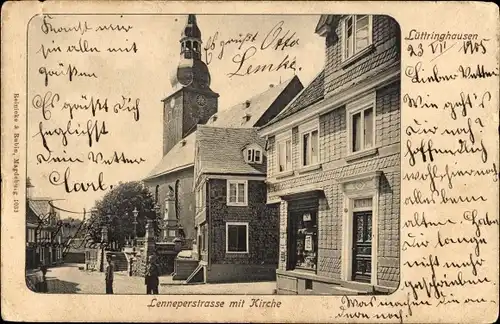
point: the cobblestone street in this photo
(69, 279)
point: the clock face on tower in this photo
(201, 101)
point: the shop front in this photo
(303, 234)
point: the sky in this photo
(141, 76)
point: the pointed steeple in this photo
(191, 29)
(191, 69)
(191, 39)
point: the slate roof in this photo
(227, 158)
(182, 155)
(40, 208)
(314, 92)
(179, 157)
(242, 116)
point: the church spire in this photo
(191, 71)
(191, 39)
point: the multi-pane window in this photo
(357, 34)
(237, 237)
(362, 129)
(310, 146)
(237, 193)
(285, 155)
(254, 156)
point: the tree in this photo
(115, 211)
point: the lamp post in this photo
(136, 213)
(156, 209)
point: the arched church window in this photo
(196, 47)
(176, 194)
(188, 44)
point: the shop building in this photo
(333, 165)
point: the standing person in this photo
(109, 272)
(151, 277)
(43, 284)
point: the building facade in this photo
(334, 165)
(44, 244)
(193, 103)
(238, 233)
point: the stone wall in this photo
(138, 265)
(94, 259)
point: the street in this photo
(68, 279)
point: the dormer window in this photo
(254, 155)
(357, 35)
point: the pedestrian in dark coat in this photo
(109, 274)
(151, 277)
(43, 284)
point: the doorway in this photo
(362, 246)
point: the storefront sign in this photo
(308, 244)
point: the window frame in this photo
(312, 231)
(246, 234)
(253, 152)
(228, 192)
(361, 105)
(355, 53)
(308, 128)
(283, 138)
(200, 197)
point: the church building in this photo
(192, 103)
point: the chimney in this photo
(247, 103)
(271, 85)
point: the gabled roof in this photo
(326, 23)
(40, 206)
(41, 210)
(243, 115)
(181, 156)
(247, 113)
(314, 92)
(220, 151)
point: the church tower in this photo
(192, 101)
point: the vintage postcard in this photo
(250, 161)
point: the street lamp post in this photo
(136, 213)
(157, 214)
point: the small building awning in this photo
(301, 193)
